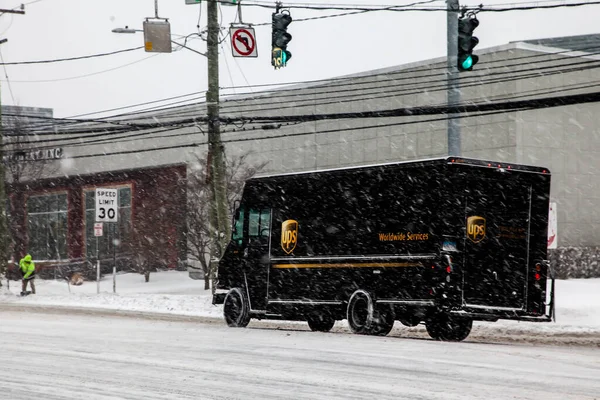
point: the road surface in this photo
(55, 356)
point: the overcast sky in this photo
(321, 48)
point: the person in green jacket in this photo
(27, 268)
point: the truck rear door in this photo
(497, 221)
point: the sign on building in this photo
(107, 202)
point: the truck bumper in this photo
(219, 298)
(495, 314)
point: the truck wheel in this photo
(449, 329)
(383, 321)
(235, 309)
(360, 312)
(320, 322)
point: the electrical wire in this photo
(354, 77)
(72, 58)
(9, 24)
(466, 109)
(87, 75)
(427, 87)
(347, 80)
(135, 105)
(197, 144)
(536, 69)
(380, 93)
(7, 80)
(400, 8)
(496, 98)
(504, 68)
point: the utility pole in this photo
(4, 239)
(216, 151)
(4, 235)
(453, 95)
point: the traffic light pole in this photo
(216, 151)
(453, 95)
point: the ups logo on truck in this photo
(289, 235)
(476, 228)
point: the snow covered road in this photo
(77, 356)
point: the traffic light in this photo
(466, 43)
(280, 39)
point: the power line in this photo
(86, 75)
(233, 105)
(336, 100)
(197, 144)
(428, 87)
(71, 58)
(145, 135)
(343, 80)
(411, 77)
(400, 8)
(380, 93)
(7, 80)
(466, 109)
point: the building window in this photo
(103, 245)
(47, 226)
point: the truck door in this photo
(497, 242)
(257, 259)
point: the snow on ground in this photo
(173, 292)
(170, 292)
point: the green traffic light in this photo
(283, 58)
(467, 63)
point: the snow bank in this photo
(170, 292)
(173, 292)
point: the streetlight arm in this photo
(126, 30)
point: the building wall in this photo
(158, 211)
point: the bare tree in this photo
(199, 230)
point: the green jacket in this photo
(27, 266)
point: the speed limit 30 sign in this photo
(107, 205)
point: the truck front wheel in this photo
(235, 309)
(449, 329)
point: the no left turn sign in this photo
(243, 42)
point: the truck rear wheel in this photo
(235, 309)
(360, 312)
(449, 329)
(320, 322)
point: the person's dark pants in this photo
(31, 281)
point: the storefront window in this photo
(103, 245)
(47, 226)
